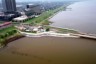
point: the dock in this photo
(85, 36)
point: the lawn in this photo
(44, 16)
(65, 30)
(8, 33)
(7, 29)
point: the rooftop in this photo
(5, 23)
(21, 18)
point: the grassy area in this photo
(4, 41)
(67, 31)
(1, 22)
(7, 29)
(61, 30)
(7, 33)
(43, 18)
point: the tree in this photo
(14, 31)
(6, 34)
(47, 29)
(9, 33)
(2, 41)
(2, 36)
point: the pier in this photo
(85, 36)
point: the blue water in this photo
(81, 17)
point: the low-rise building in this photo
(29, 12)
(20, 19)
(9, 17)
(34, 9)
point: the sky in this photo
(44, 0)
(48, 0)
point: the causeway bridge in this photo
(85, 36)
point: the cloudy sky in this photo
(45, 0)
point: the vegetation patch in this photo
(62, 30)
(7, 33)
(7, 29)
(43, 18)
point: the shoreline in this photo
(69, 29)
(5, 42)
(47, 34)
(53, 34)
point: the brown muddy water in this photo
(49, 50)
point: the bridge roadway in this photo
(85, 36)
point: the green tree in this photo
(14, 31)
(47, 29)
(2, 36)
(6, 35)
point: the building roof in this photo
(20, 18)
(5, 24)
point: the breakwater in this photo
(47, 34)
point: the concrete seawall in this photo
(58, 35)
(47, 34)
(85, 36)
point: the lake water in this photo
(49, 50)
(81, 17)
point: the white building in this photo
(20, 19)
